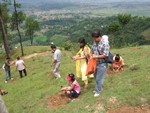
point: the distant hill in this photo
(95, 4)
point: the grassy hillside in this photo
(31, 94)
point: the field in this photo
(39, 92)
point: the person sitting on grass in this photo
(118, 63)
(73, 90)
(3, 92)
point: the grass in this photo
(29, 94)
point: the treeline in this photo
(123, 30)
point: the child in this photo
(73, 90)
(6, 67)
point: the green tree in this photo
(3, 25)
(31, 27)
(17, 18)
(124, 19)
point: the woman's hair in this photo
(117, 57)
(72, 76)
(83, 41)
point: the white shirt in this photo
(20, 65)
(105, 39)
(57, 55)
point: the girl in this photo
(73, 90)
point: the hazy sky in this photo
(83, 0)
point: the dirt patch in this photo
(57, 100)
(130, 109)
(135, 49)
(113, 100)
(111, 72)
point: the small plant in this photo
(134, 67)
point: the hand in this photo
(63, 89)
(74, 57)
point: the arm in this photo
(16, 66)
(54, 62)
(99, 56)
(86, 53)
(121, 65)
(23, 63)
(55, 59)
(69, 88)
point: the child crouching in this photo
(73, 90)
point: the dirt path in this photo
(33, 55)
(36, 54)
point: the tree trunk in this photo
(4, 38)
(18, 28)
(32, 40)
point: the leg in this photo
(25, 72)
(73, 94)
(56, 70)
(20, 72)
(6, 76)
(99, 76)
(9, 73)
(83, 73)
(78, 69)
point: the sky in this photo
(81, 1)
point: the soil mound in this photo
(130, 109)
(57, 100)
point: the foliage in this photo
(5, 16)
(20, 18)
(124, 19)
(41, 40)
(31, 27)
(58, 39)
(113, 27)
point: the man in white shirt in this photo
(21, 67)
(56, 61)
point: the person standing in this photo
(20, 66)
(99, 51)
(56, 61)
(82, 56)
(6, 67)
